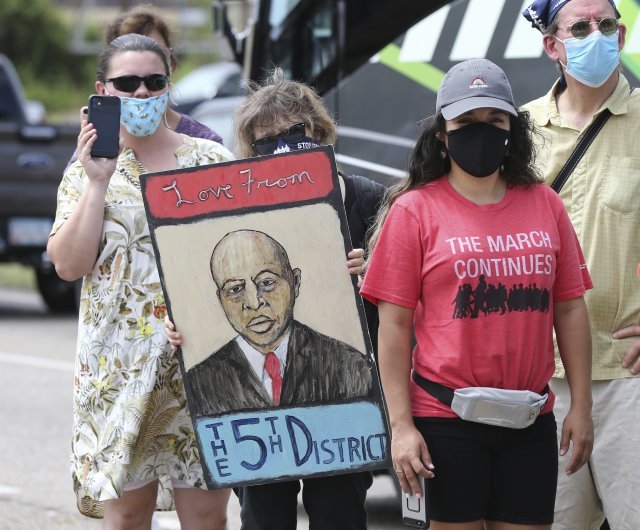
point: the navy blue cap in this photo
(542, 12)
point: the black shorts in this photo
(492, 473)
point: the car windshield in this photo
(208, 81)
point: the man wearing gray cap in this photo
(470, 230)
(585, 38)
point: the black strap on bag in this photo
(442, 393)
(580, 150)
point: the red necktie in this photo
(272, 366)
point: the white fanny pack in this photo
(515, 409)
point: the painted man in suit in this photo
(274, 360)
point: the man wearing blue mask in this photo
(585, 38)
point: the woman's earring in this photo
(443, 154)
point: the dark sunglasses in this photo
(582, 28)
(267, 144)
(130, 83)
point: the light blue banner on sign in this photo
(295, 441)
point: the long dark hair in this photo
(429, 161)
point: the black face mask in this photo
(478, 148)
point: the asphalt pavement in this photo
(36, 381)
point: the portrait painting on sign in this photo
(252, 257)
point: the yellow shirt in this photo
(602, 197)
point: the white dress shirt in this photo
(256, 359)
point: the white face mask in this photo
(593, 59)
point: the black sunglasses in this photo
(267, 144)
(130, 83)
(580, 29)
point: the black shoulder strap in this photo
(349, 194)
(368, 197)
(580, 150)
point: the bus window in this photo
(302, 45)
(280, 9)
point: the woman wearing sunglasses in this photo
(278, 117)
(479, 258)
(144, 20)
(281, 116)
(133, 448)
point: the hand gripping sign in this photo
(277, 362)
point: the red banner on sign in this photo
(262, 181)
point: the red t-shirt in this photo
(482, 281)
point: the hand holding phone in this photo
(104, 114)
(415, 509)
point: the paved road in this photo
(36, 373)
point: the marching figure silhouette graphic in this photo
(490, 298)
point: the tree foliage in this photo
(36, 39)
(34, 36)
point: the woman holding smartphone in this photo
(133, 447)
(146, 20)
(478, 257)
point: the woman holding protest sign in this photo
(478, 257)
(133, 449)
(277, 117)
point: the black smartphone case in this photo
(104, 114)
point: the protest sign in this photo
(278, 366)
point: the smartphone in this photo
(414, 509)
(104, 114)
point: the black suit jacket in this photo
(319, 369)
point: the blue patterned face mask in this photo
(593, 59)
(141, 116)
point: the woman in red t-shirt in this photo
(478, 258)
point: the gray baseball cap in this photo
(474, 84)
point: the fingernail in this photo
(407, 495)
(430, 466)
(418, 496)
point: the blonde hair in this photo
(279, 99)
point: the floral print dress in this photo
(131, 422)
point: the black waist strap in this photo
(442, 393)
